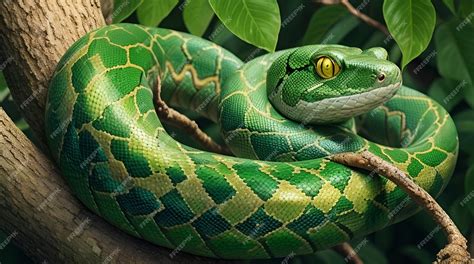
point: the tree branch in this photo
(175, 118)
(34, 35)
(456, 250)
(348, 253)
(356, 12)
(368, 20)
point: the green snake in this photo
(282, 115)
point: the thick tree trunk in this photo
(34, 34)
(38, 212)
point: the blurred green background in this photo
(444, 70)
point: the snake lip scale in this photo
(280, 194)
(346, 105)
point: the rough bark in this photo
(34, 34)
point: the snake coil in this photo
(282, 114)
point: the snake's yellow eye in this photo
(326, 67)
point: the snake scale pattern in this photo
(281, 114)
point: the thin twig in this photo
(356, 12)
(348, 253)
(370, 21)
(456, 250)
(176, 119)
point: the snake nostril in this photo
(381, 77)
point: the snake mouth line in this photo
(337, 109)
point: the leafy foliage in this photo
(441, 66)
(441, 89)
(152, 12)
(255, 21)
(321, 23)
(454, 43)
(124, 8)
(411, 24)
(197, 15)
(450, 5)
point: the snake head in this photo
(321, 84)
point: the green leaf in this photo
(411, 23)
(123, 9)
(466, 8)
(22, 125)
(454, 43)
(4, 94)
(221, 35)
(447, 92)
(340, 30)
(3, 82)
(152, 12)
(322, 21)
(468, 199)
(450, 5)
(465, 124)
(197, 15)
(254, 21)
(4, 91)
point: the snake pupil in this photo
(326, 68)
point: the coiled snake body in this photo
(282, 114)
